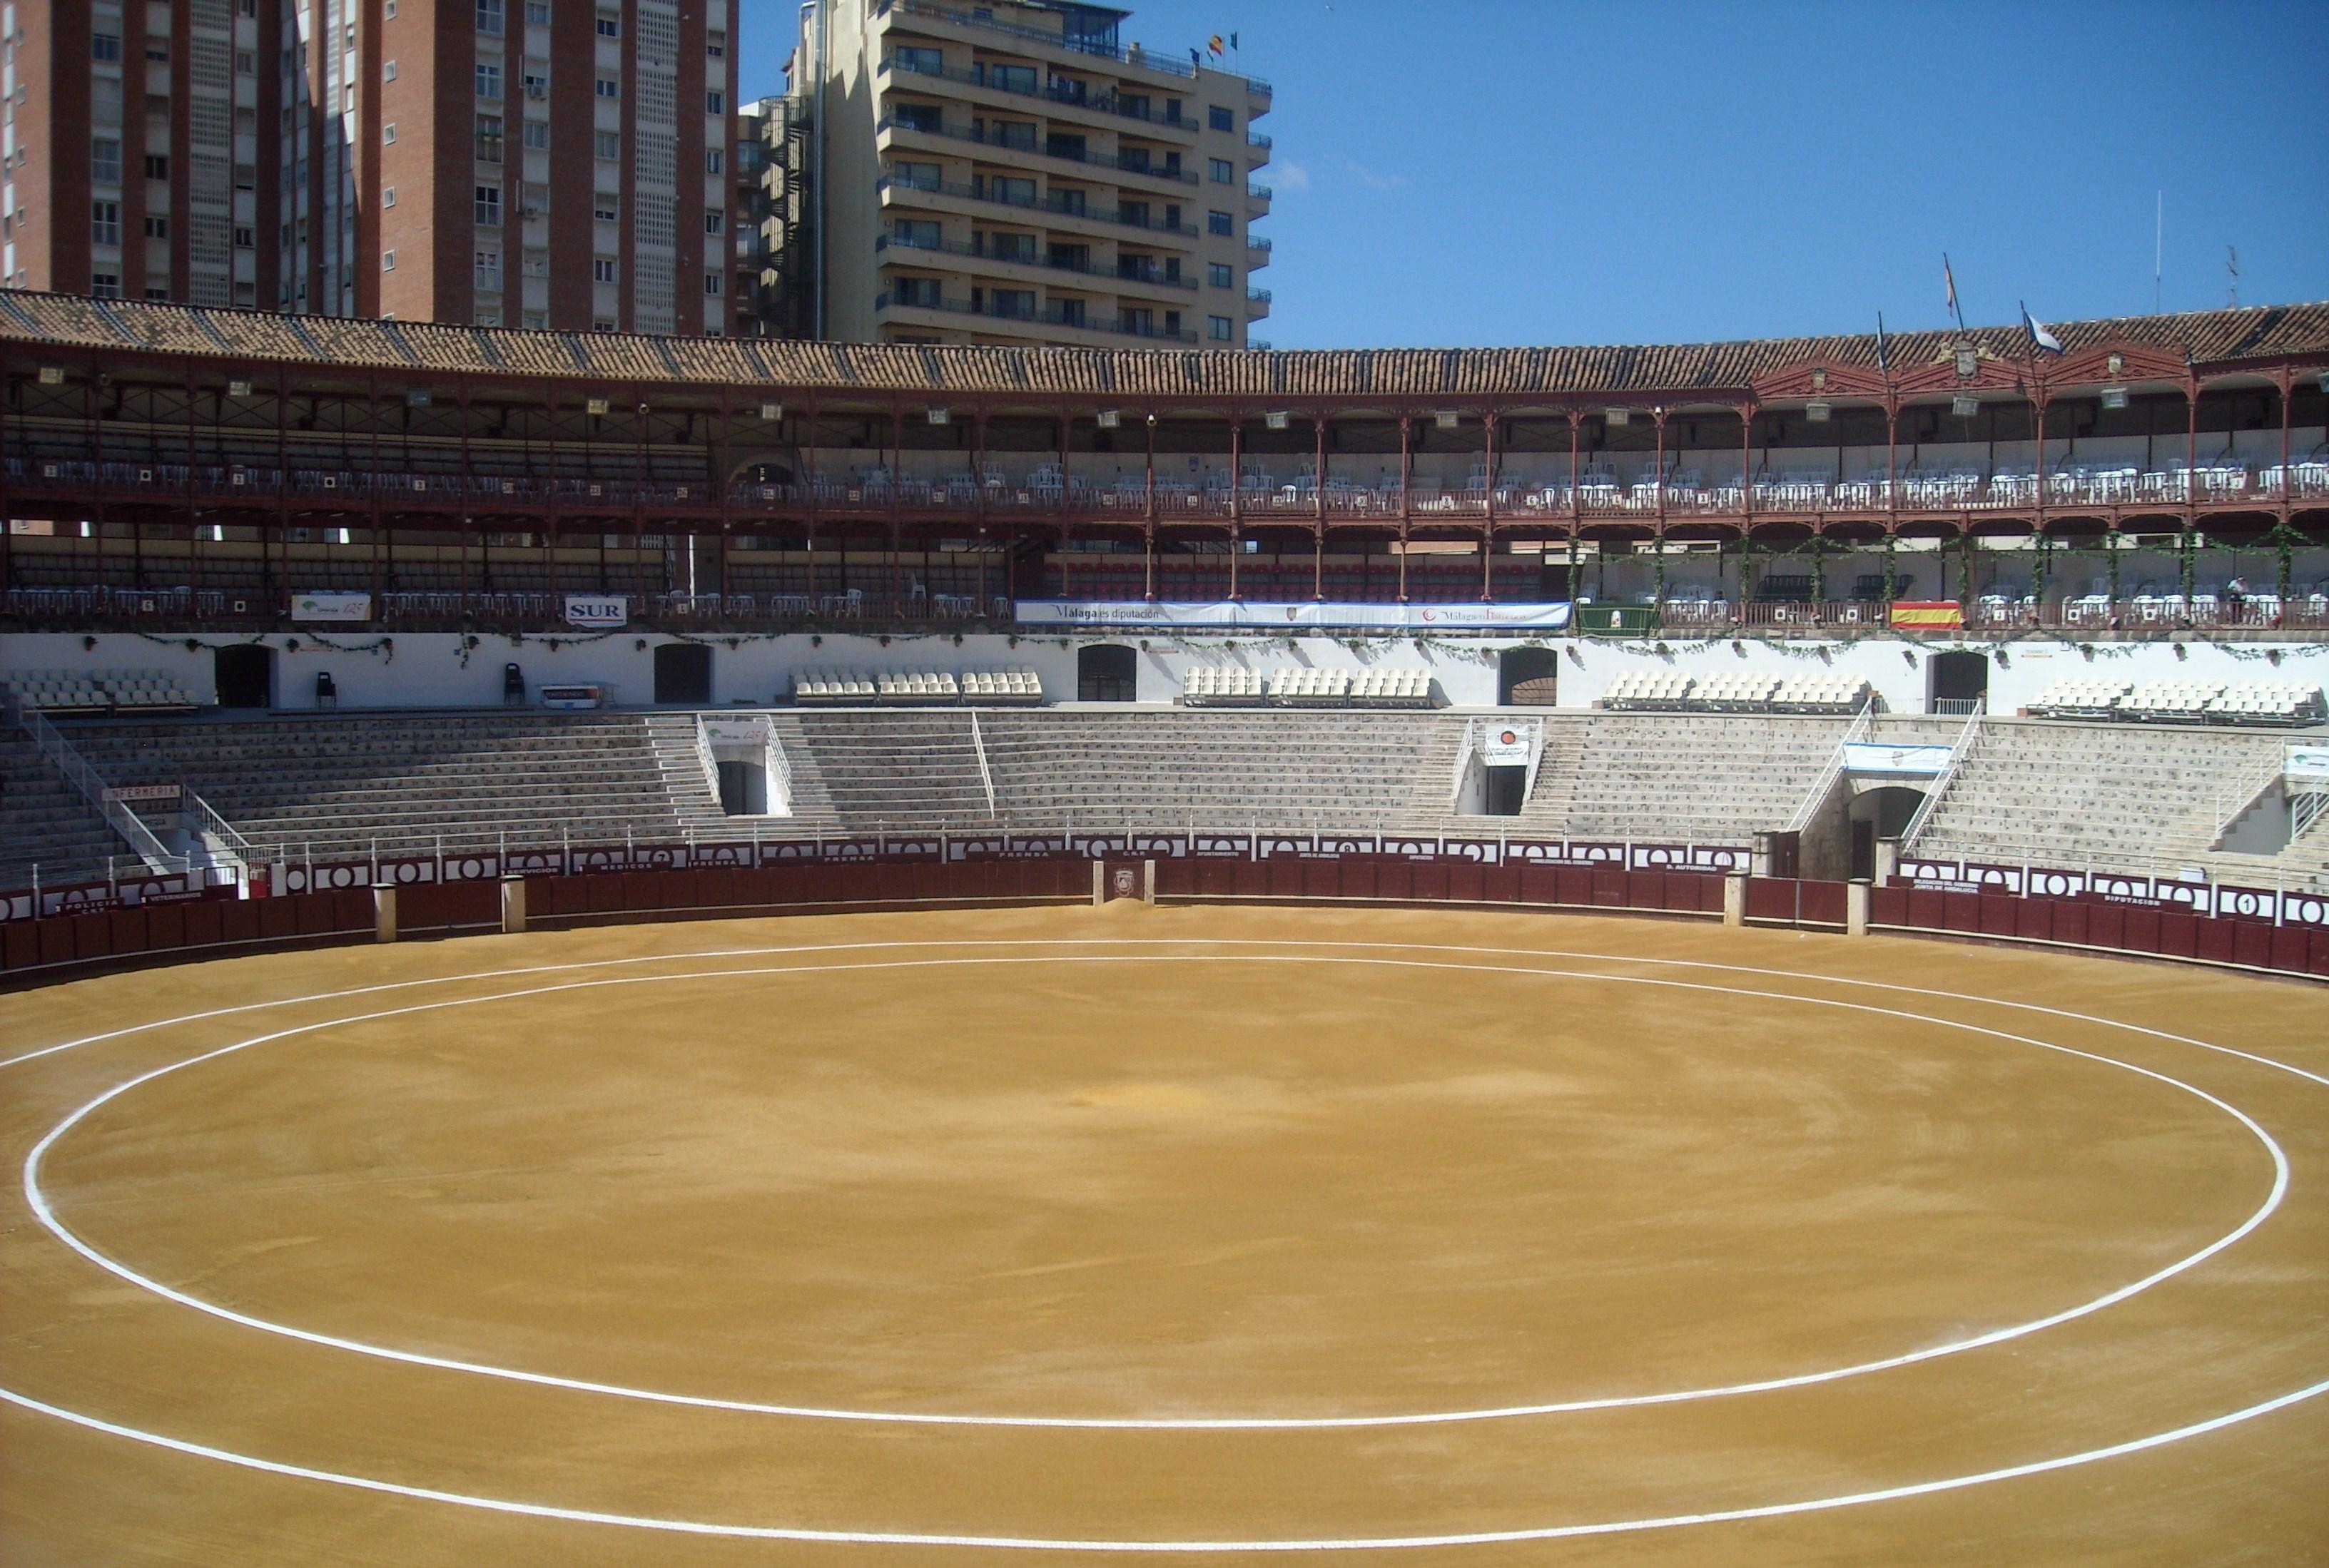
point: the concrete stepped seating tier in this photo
(338, 787)
(1678, 777)
(901, 771)
(103, 690)
(1096, 770)
(2075, 795)
(47, 832)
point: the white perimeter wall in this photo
(425, 670)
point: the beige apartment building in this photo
(1010, 173)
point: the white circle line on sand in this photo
(37, 1200)
(1168, 942)
(1047, 1543)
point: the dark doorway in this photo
(1506, 788)
(245, 675)
(1959, 682)
(1109, 672)
(1530, 677)
(683, 674)
(1883, 813)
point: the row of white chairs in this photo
(1735, 691)
(2181, 701)
(77, 691)
(915, 686)
(1382, 687)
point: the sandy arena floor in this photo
(1359, 1229)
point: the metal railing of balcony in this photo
(1258, 296)
(1056, 90)
(1156, 278)
(1048, 203)
(1051, 315)
(1256, 140)
(1135, 56)
(993, 139)
(1257, 192)
(1256, 243)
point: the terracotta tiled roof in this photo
(405, 347)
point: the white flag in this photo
(2038, 335)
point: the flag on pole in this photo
(1883, 348)
(1233, 43)
(1949, 284)
(2040, 337)
(1214, 43)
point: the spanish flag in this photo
(1928, 615)
(1214, 43)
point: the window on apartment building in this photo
(606, 145)
(715, 44)
(602, 324)
(1007, 78)
(1220, 171)
(1014, 304)
(1220, 120)
(602, 270)
(1218, 223)
(922, 293)
(157, 106)
(388, 10)
(538, 11)
(715, 102)
(387, 260)
(388, 71)
(489, 206)
(486, 316)
(388, 195)
(1217, 328)
(490, 17)
(105, 160)
(537, 134)
(489, 81)
(1016, 191)
(715, 222)
(916, 176)
(712, 283)
(489, 139)
(1018, 135)
(537, 85)
(157, 226)
(487, 267)
(245, 62)
(1135, 214)
(918, 233)
(1219, 275)
(246, 176)
(603, 207)
(609, 24)
(388, 133)
(536, 263)
(105, 285)
(105, 46)
(162, 291)
(606, 87)
(536, 320)
(158, 49)
(246, 237)
(105, 222)
(917, 58)
(157, 165)
(715, 161)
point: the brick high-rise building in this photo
(522, 162)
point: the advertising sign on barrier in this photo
(331, 609)
(601, 610)
(2307, 764)
(751, 729)
(143, 794)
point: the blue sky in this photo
(1494, 172)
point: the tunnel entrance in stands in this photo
(1881, 812)
(1109, 672)
(245, 675)
(1530, 677)
(683, 674)
(1955, 683)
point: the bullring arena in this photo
(621, 950)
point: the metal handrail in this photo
(1957, 752)
(985, 774)
(1856, 732)
(231, 849)
(84, 779)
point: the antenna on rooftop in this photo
(2158, 248)
(2232, 272)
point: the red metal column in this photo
(1488, 527)
(1406, 495)
(1318, 515)
(1148, 517)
